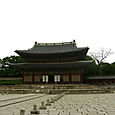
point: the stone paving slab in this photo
(89, 104)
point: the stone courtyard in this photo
(72, 104)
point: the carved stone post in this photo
(22, 112)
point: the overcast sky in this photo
(90, 22)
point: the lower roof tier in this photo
(78, 65)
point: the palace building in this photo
(53, 63)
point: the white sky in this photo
(90, 22)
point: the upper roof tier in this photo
(49, 48)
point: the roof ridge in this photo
(58, 43)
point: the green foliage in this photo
(11, 72)
(87, 58)
(13, 59)
(105, 69)
(91, 70)
(0, 60)
(113, 68)
(99, 70)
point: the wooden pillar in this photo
(102, 82)
(109, 82)
(70, 78)
(23, 78)
(97, 82)
(81, 77)
(33, 77)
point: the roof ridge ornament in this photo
(35, 43)
(51, 44)
(74, 41)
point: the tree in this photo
(0, 61)
(105, 69)
(92, 69)
(6, 70)
(88, 58)
(13, 59)
(99, 58)
(101, 55)
(113, 68)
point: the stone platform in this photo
(54, 89)
(16, 91)
(81, 91)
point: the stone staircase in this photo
(50, 86)
(54, 89)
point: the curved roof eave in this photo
(70, 51)
(50, 65)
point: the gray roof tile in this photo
(53, 48)
(52, 65)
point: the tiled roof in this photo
(51, 65)
(53, 48)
